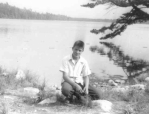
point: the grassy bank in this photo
(131, 102)
(8, 80)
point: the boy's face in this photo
(77, 51)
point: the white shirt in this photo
(75, 70)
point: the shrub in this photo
(142, 105)
(147, 88)
(4, 108)
(145, 110)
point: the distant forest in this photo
(12, 12)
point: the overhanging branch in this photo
(119, 3)
(134, 16)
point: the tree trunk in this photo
(131, 80)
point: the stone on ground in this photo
(48, 100)
(20, 74)
(105, 105)
(147, 79)
(138, 87)
(112, 83)
(121, 89)
(31, 91)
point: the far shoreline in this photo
(75, 20)
(70, 20)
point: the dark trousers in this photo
(68, 90)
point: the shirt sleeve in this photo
(64, 66)
(86, 70)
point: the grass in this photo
(4, 109)
(135, 101)
(9, 80)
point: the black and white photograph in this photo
(74, 56)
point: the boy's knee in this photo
(66, 89)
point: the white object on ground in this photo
(20, 74)
(8, 97)
(31, 90)
(5, 74)
(147, 79)
(103, 104)
(48, 101)
(112, 83)
(121, 89)
(138, 86)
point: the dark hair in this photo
(79, 43)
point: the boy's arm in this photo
(86, 83)
(73, 84)
(86, 73)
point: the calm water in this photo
(39, 46)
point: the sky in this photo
(70, 8)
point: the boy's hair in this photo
(79, 43)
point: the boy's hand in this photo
(85, 90)
(78, 88)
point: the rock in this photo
(48, 100)
(103, 104)
(120, 81)
(121, 89)
(20, 74)
(147, 79)
(123, 81)
(112, 83)
(117, 81)
(138, 86)
(31, 91)
(5, 74)
(9, 97)
(94, 85)
(45, 101)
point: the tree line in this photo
(12, 12)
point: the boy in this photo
(75, 71)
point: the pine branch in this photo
(120, 3)
(136, 15)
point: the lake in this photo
(39, 46)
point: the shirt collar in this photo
(80, 59)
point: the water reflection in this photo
(132, 67)
(4, 30)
